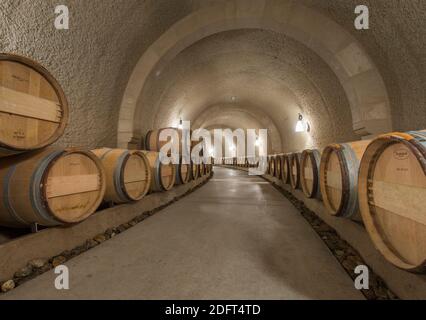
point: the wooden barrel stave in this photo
(278, 166)
(285, 169)
(309, 169)
(194, 171)
(294, 161)
(200, 170)
(272, 166)
(183, 172)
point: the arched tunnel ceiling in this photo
(363, 85)
(255, 69)
(224, 116)
(94, 61)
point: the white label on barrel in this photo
(401, 154)
(67, 185)
(405, 201)
(334, 180)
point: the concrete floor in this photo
(234, 238)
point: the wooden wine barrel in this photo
(33, 107)
(272, 166)
(183, 172)
(128, 174)
(339, 178)
(195, 172)
(294, 161)
(207, 165)
(152, 139)
(200, 170)
(278, 166)
(50, 187)
(310, 166)
(268, 164)
(153, 143)
(392, 190)
(163, 176)
(285, 168)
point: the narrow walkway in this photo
(234, 238)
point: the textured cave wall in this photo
(94, 58)
(260, 69)
(396, 42)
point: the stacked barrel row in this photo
(185, 170)
(52, 186)
(381, 182)
(40, 184)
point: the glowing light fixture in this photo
(300, 127)
(257, 143)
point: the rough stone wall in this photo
(396, 42)
(94, 58)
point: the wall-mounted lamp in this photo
(302, 126)
(257, 143)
